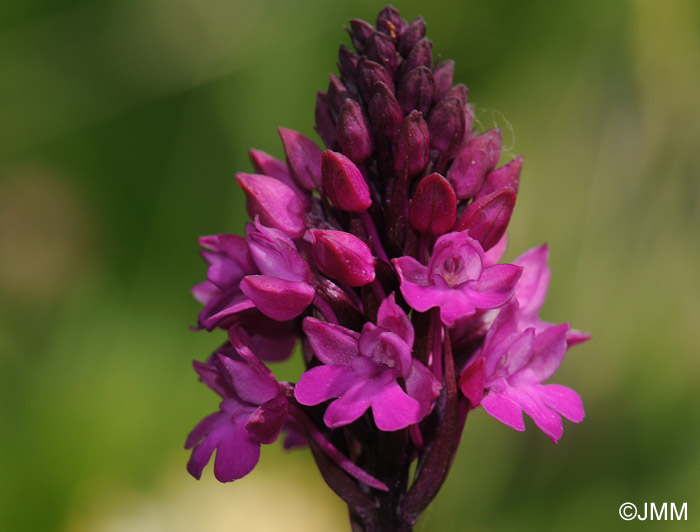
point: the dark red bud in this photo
(478, 157)
(413, 33)
(347, 62)
(343, 183)
(443, 75)
(413, 147)
(352, 129)
(507, 175)
(359, 33)
(446, 125)
(421, 55)
(380, 48)
(416, 90)
(385, 112)
(487, 218)
(433, 208)
(325, 126)
(337, 93)
(458, 91)
(369, 74)
(389, 21)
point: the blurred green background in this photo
(121, 126)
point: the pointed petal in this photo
(332, 344)
(531, 289)
(495, 286)
(324, 382)
(471, 382)
(250, 385)
(392, 317)
(504, 410)
(422, 385)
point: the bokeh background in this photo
(122, 123)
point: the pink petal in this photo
(564, 400)
(531, 289)
(274, 202)
(422, 385)
(393, 409)
(304, 158)
(411, 271)
(550, 347)
(504, 410)
(351, 405)
(236, 454)
(332, 344)
(495, 286)
(532, 404)
(322, 383)
(250, 385)
(278, 299)
(392, 317)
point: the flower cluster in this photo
(381, 254)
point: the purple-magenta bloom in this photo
(531, 290)
(362, 371)
(456, 279)
(253, 411)
(510, 368)
(378, 256)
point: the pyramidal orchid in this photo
(379, 255)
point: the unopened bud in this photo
(343, 183)
(433, 208)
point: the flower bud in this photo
(507, 175)
(446, 125)
(458, 91)
(478, 157)
(353, 132)
(413, 147)
(274, 202)
(433, 208)
(304, 158)
(414, 32)
(385, 112)
(443, 75)
(487, 218)
(416, 90)
(347, 62)
(421, 55)
(389, 21)
(344, 257)
(360, 31)
(337, 94)
(325, 125)
(369, 74)
(380, 48)
(343, 183)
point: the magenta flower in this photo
(456, 279)
(379, 255)
(362, 370)
(253, 411)
(510, 368)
